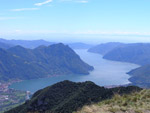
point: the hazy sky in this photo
(75, 19)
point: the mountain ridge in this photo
(137, 53)
(104, 47)
(58, 59)
(67, 96)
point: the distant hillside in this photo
(35, 43)
(67, 96)
(141, 76)
(138, 102)
(5, 45)
(138, 53)
(104, 48)
(79, 45)
(21, 63)
(26, 43)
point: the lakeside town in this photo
(10, 98)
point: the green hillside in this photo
(67, 96)
(58, 59)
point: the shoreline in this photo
(107, 86)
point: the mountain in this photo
(67, 96)
(5, 46)
(35, 43)
(26, 43)
(80, 45)
(137, 102)
(140, 76)
(104, 48)
(58, 59)
(138, 53)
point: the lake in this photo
(105, 73)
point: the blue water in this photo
(105, 73)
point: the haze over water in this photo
(105, 73)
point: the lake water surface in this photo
(105, 73)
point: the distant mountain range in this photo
(21, 63)
(5, 45)
(79, 45)
(104, 48)
(67, 97)
(26, 43)
(138, 53)
(35, 43)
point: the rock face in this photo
(21, 63)
(67, 96)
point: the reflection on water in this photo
(105, 73)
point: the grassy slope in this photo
(58, 59)
(138, 102)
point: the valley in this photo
(118, 75)
(100, 75)
(74, 56)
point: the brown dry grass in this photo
(138, 102)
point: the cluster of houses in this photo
(4, 87)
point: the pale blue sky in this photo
(74, 18)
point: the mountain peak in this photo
(43, 61)
(18, 47)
